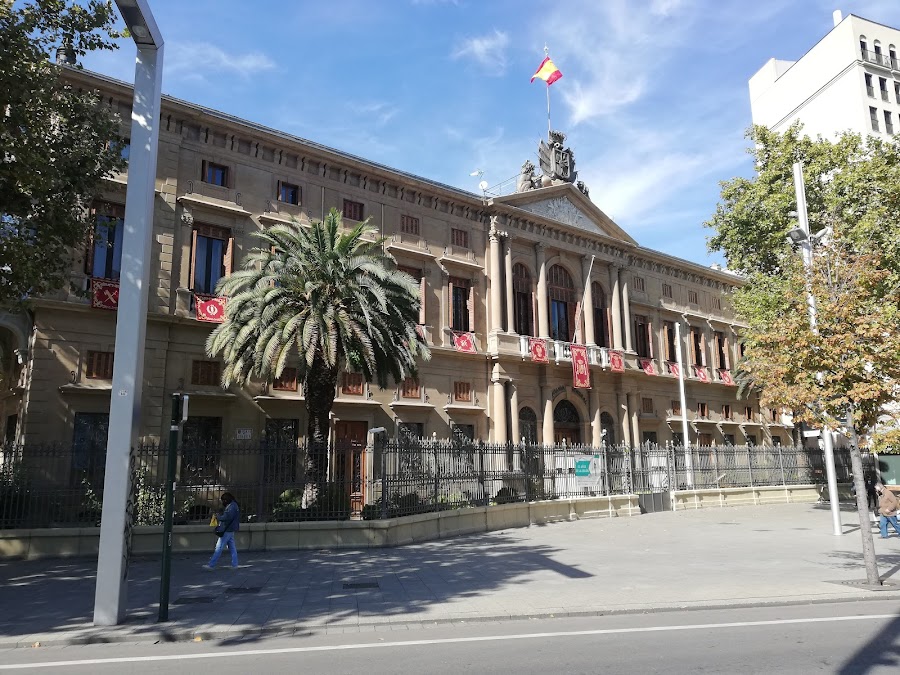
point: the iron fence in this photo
(56, 485)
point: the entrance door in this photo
(89, 448)
(566, 424)
(350, 463)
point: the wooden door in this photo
(350, 462)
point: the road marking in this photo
(416, 643)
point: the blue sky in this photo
(653, 96)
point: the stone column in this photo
(633, 413)
(587, 311)
(626, 310)
(496, 283)
(615, 307)
(543, 312)
(514, 413)
(507, 259)
(499, 407)
(547, 421)
(596, 436)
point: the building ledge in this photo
(356, 401)
(460, 262)
(460, 408)
(279, 219)
(225, 395)
(284, 397)
(81, 388)
(411, 404)
(214, 204)
(409, 249)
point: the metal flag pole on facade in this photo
(587, 280)
(549, 73)
(686, 441)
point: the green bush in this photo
(506, 495)
(330, 503)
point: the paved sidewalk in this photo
(709, 558)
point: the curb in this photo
(178, 634)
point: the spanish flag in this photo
(547, 71)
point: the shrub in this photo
(506, 495)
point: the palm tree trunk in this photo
(865, 525)
(319, 391)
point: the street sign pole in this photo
(178, 416)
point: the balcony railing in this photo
(880, 59)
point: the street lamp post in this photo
(110, 598)
(805, 242)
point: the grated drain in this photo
(359, 585)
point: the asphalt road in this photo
(848, 637)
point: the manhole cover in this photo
(251, 589)
(358, 585)
(195, 600)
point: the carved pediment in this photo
(562, 210)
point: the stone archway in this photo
(566, 424)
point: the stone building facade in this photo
(498, 270)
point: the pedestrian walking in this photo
(887, 510)
(229, 523)
(871, 494)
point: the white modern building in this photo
(849, 80)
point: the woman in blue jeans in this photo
(229, 523)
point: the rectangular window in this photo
(211, 257)
(692, 298)
(287, 381)
(669, 335)
(705, 440)
(99, 365)
(717, 302)
(667, 290)
(721, 348)
(409, 225)
(649, 437)
(463, 432)
(411, 430)
(726, 412)
(776, 441)
(751, 439)
(89, 446)
(409, 388)
(459, 237)
(702, 410)
(647, 406)
(642, 342)
(201, 453)
(873, 117)
(288, 193)
(560, 326)
(105, 256)
(352, 384)
(729, 439)
(870, 89)
(897, 91)
(461, 294)
(748, 413)
(215, 174)
(888, 123)
(697, 347)
(639, 284)
(206, 373)
(882, 85)
(774, 416)
(462, 391)
(676, 408)
(353, 210)
(742, 348)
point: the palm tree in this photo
(334, 299)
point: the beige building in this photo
(500, 269)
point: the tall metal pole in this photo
(806, 249)
(688, 462)
(171, 458)
(110, 597)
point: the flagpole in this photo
(547, 55)
(581, 308)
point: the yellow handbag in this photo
(214, 522)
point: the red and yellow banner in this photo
(648, 366)
(538, 349)
(212, 310)
(547, 71)
(616, 361)
(726, 378)
(104, 294)
(464, 342)
(700, 373)
(581, 374)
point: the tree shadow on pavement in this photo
(883, 650)
(278, 591)
(888, 563)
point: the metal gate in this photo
(652, 478)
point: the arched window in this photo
(601, 315)
(879, 59)
(528, 425)
(561, 291)
(522, 302)
(609, 426)
(566, 424)
(864, 47)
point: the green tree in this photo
(57, 142)
(332, 298)
(844, 372)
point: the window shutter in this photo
(649, 329)
(450, 302)
(193, 258)
(229, 177)
(278, 192)
(570, 310)
(203, 170)
(470, 302)
(89, 254)
(422, 299)
(228, 258)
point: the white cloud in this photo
(487, 50)
(377, 112)
(200, 59)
